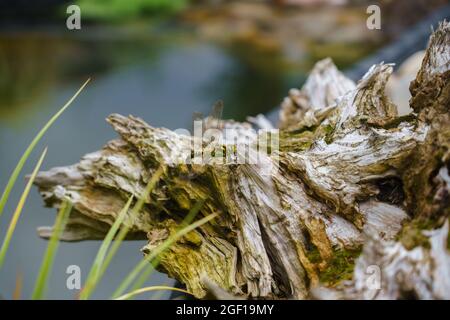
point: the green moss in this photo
(296, 141)
(337, 269)
(313, 255)
(448, 241)
(328, 129)
(412, 238)
(412, 235)
(340, 267)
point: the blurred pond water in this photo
(161, 75)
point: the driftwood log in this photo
(351, 189)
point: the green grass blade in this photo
(19, 208)
(26, 154)
(114, 248)
(158, 295)
(47, 262)
(192, 214)
(93, 276)
(148, 289)
(152, 266)
(156, 252)
(148, 189)
(123, 232)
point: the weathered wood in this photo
(348, 169)
(417, 265)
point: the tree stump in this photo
(351, 187)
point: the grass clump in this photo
(41, 282)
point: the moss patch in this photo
(340, 267)
(296, 141)
(412, 235)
